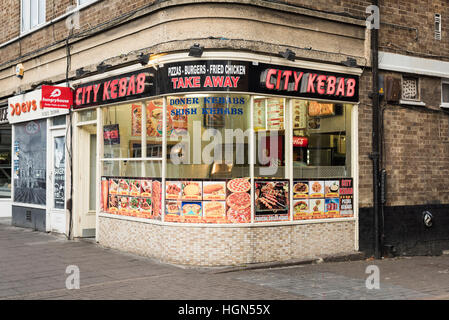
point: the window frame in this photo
(38, 25)
(444, 104)
(88, 2)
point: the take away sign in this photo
(57, 97)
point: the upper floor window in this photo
(32, 14)
(445, 93)
(81, 2)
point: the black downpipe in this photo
(375, 155)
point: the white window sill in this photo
(444, 105)
(412, 103)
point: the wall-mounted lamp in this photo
(288, 54)
(196, 50)
(350, 62)
(80, 72)
(144, 58)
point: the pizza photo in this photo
(239, 185)
(239, 216)
(239, 201)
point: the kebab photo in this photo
(271, 196)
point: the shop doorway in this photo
(85, 175)
(57, 181)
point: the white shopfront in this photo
(39, 163)
(158, 171)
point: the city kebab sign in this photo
(243, 76)
(219, 76)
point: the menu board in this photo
(322, 199)
(317, 109)
(299, 114)
(259, 114)
(154, 121)
(208, 201)
(275, 114)
(271, 200)
(346, 197)
(227, 200)
(133, 197)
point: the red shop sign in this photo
(300, 141)
(57, 97)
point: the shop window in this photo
(321, 139)
(207, 136)
(269, 127)
(122, 130)
(5, 161)
(30, 162)
(32, 14)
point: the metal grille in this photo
(28, 215)
(437, 26)
(410, 88)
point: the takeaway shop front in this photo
(39, 160)
(223, 162)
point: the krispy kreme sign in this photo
(29, 106)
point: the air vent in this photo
(437, 26)
(410, 88)
(28, 215)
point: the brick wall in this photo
(416, 149)
(408, 28)
(218, 246)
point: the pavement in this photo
(36, 265)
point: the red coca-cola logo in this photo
(300, 141)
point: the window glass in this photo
(87, 115)
(5, 162)
(122, 130)
(58, 121)
(321, 139)
(81, 2)
(207, 136)
(33, 14)
(269, 127)
(30, 162)
(445, 92)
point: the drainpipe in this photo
(375, 154)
